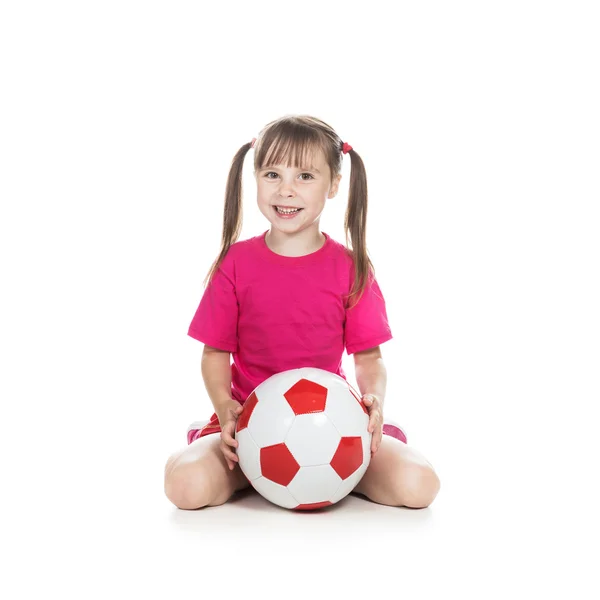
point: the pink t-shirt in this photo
(275, 313)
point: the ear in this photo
(333, 190)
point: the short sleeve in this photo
(366, 324)
(216, 318)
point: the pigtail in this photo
(233, 210)
(355, 226)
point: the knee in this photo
(184, 488)
(419, 487)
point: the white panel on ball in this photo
(271, 421)
(346, 413)
(347, 485)
(314, 484)
(317, 427)
(250, 458)
(327, 379)
(275, 493)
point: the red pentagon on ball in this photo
(242, 421)
(312, 506)
(348, 456)
(306, 397)
(278, 464)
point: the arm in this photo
(216, 372)
(371, 374)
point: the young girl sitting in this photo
(292, 297)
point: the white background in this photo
(479, 126)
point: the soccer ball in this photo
(303, 438)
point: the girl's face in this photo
(307, 187)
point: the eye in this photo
(270, 173)
(308, 175)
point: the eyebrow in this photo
(300, 168)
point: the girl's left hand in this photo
(375, 420)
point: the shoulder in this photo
(340, 252)
(249, 245)
(239, 249)
(344, 258)
(239, 257)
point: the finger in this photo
(376, 442)
(373, 436)
(229, 454)
(373, 420)
(231, 443)
(227, 435)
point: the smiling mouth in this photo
(293, 210)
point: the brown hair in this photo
(293, 138)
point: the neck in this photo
(295, 244)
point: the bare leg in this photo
(399, 475)
(198, 476)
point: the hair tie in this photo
(252, 142)
(346, 148)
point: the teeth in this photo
(287, 211)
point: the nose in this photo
(286, 189)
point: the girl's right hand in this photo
(227, 419)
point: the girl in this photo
(280, 301)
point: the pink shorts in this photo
(199, 429)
